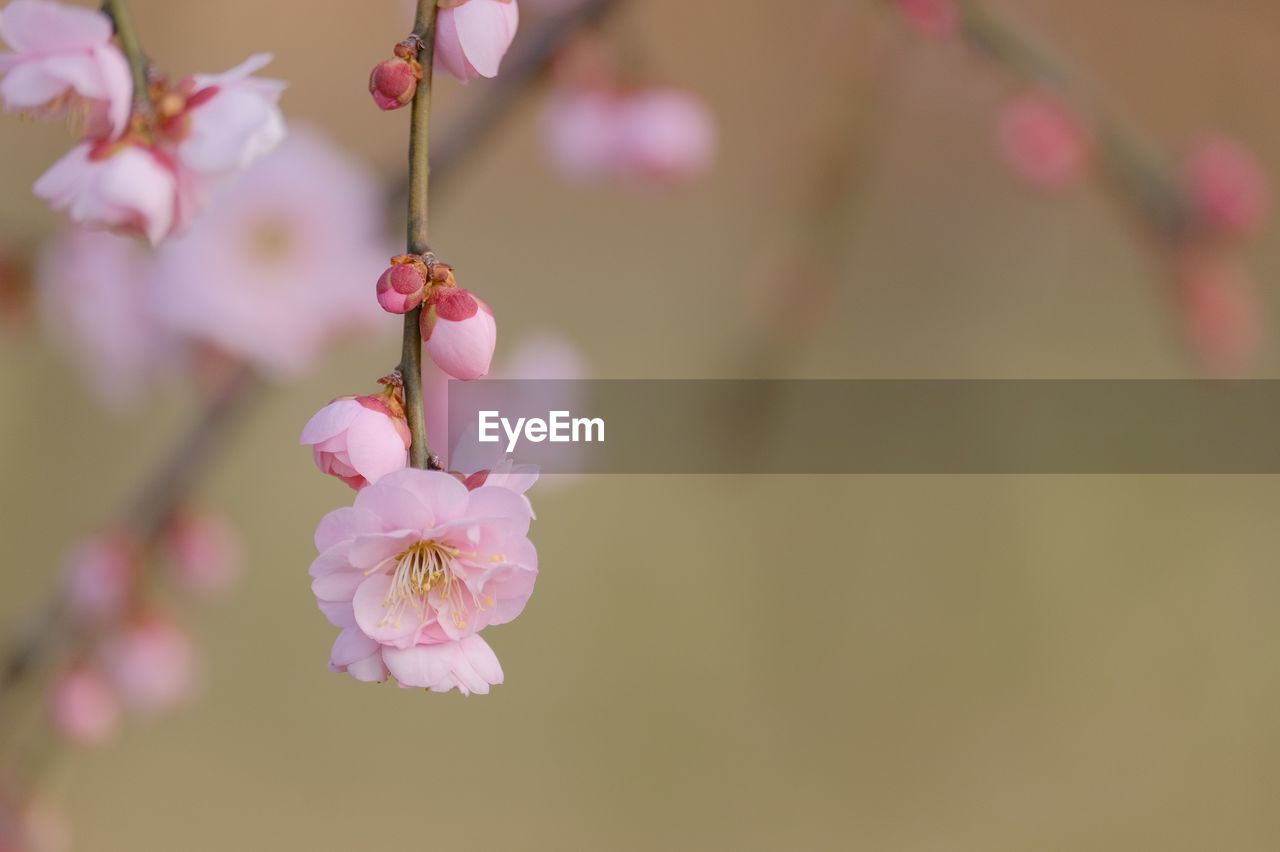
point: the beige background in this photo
(905, 663)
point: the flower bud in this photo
(1220, 313)
(83, 707)
(359, 439)
(99, 574)
(930, 17)
(203, 551)
(402, 287)
(1227, 186)
(460, 333)
(1043, 141)
(152, 664)
(394, 82)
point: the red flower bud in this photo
(393, 82)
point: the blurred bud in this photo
(83, 707)
(394, 82)
(31, 825)
(1227, 186)
(152, 664)
(931, 17)
(359, 439)
(99, 574)
(460, 333)
(203, 550)
(1219, 311)
(1043, 141)
(402, 287)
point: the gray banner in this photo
(868, 426)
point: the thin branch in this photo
(138, 63)
(418, 243)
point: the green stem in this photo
(138, 63)
(419, 178)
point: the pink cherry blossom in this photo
(931, 17)
(152, 664)
(472, 36)
(460, 333)
(648, 136)
(83, 707)
(92, 289)
(203, 551)
(1220, 313)
(267, 277)
(129, 187)
(419, 562)
(1227, 186)
(61, 54)
(234, 119)
(99, 573)
(1043, 141)
(359, 439)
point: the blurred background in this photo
(840, 662)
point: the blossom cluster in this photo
(149, 158)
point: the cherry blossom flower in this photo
(267, 276)
(414, 570)
(1227, 186)
(152, 664)
(92, 288)
(232, 119)
(1043, 141)
(359, 439)
(63, 55)
(460, 333)
(83, 707)
(130, 187)
(649, 136)
(203, 552)
(472, 36)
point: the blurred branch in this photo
(424, 32)
(119, 14)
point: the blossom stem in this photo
(138, 63)
(418, 243)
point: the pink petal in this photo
(330, 421)
(337, 585)
(345, 524)
(398, 508)
(339, 613)
(369, 670)
(486, 29)
(370, 551)
(445, 495)
(421, 665)
(336, 558)
(36, 26)
(351, 646)
(375, 446)
(374, 617)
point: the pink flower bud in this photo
(99, 574)
(931, 17)
(151, 663)
(394, 82)
(472, 36)
(359, 439)
(666, 136)
(203, 551)
(83, 708)
(402, 286)
(460, 333)
(1227, 187)
(1220, 313)
(1043, 142)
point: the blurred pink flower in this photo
(83, 707)
(646, 136)
(92, 289)
(99, 574)
(233, 119)
(152, 664)
(1043, 141)
(126, 186)
(203, 551)
(472, 36)
(931, 17)
(419, 562)
(1220, 313)
(63, 54)
(460, 333)
(1228, 186)
(359, 439)
(31, 825)
(271, 274)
